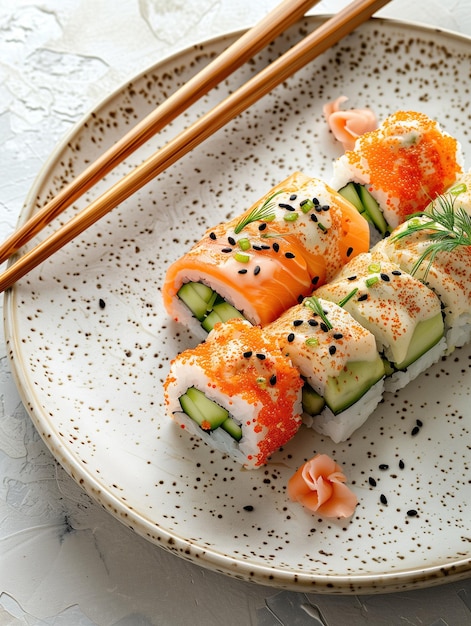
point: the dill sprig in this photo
(313, 303)
(263, 212)
(447, 226)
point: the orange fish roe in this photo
(242, 364)
(409, 159)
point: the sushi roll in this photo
(435, 247)
(401, 312)
(262, 262)
(397, 169)
(338, 359)
(237, 392)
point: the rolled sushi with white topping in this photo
(237, 392)
(435, 247)
(401, 312)
(338, 359)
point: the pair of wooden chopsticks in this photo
(329, 33)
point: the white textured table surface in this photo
(63, 559)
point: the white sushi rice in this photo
(459, 334)
(400, 379)
(341, 426)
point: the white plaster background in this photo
(64, 560)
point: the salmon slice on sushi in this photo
(397, 169)
(401, 312)
(339, 361)
(237, 392)
(268, 258)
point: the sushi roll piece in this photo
(398, 168)
(401, 312)
(435, 247)
(264, 261)
(339, 361)
(237, 392)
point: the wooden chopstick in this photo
(254, 40)
(329, 33)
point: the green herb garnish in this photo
(448, 227)
(313, 303)
(350, 295)
(264, 212)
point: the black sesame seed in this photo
(314, 217)
(226, 250)
(324, 327)
(248, 354)
(415, 431)
(276, 246)
(256, 270)
(101, 303)
(383, 499)
(363, 297)
(349, 251)
(315, 280)
(332, 350)
(244, 271)
(313, 322)
(338, 336)
(351, 278)
(261, 356)
(300, 298)
(401, 464)
(232, 241)
(249, 508)
(297, 322)
(288, 207)
(273, 379)
(383, 466)
(262, 226)
(396, 272)
(212, 236)
(293, 197)
(303, 202)
(419, 423)
(412, 513)
(372, 481)
(290, 337)
(265, 247)
(255, 247)
(385, 277)
(289, 255)
(315, 201)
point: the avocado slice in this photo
(426, 335)
(352, 383)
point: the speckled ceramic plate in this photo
(91, 343)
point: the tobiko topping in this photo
(319, 486)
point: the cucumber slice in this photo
(222, 312)
(313, 403)
(358, 376)
(199, 298)
(202, 410)
(372, 209)
(232, 428)
(350, 193)
(365, 204)
(426, 334)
